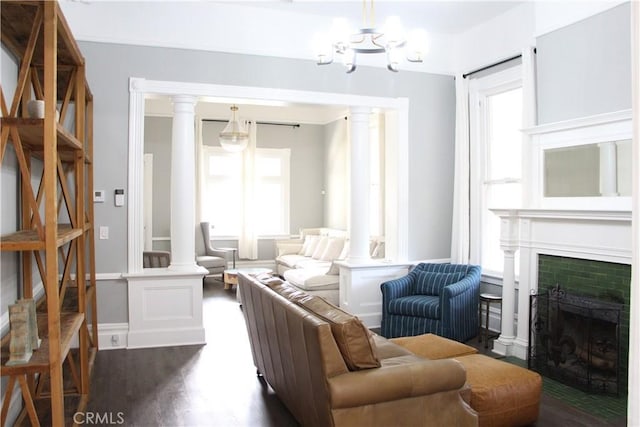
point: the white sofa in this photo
(307, 262)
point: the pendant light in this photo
(234, 137)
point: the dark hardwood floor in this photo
(216, 384)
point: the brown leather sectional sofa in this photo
(329, 370)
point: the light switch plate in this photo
(104, 232)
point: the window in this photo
(222, 190)
(496, 161)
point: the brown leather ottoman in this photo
(434, 347)
(503, 394)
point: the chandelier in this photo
(234, 137)
(391, 39)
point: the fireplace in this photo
(575, 339)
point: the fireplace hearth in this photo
(575, 339)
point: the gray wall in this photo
(431, 126)
(585, 68)
(9, 260)
(8, 195)
(431, 121)
(157, 141)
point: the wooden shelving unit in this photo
(52, 69)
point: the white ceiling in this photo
(440, 16)
(193, 24)
(285, 28)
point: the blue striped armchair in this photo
(441, 299)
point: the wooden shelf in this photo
(16, 20)
(51, 68)
(69, 326)
(31, 133)
(28, 240)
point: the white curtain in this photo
(529, 107)
(529, 119)
(248, 241)
(460, 219)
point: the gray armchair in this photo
(214, 260)
(156, 259)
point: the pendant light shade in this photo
(234, 137)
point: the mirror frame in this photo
(596, 129)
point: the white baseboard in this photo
(112, 336)
(166, 338)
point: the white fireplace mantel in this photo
(587, 234)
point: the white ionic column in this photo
(527, 284)
(508, 295)
(183, 184)
(509, 232)
(608, 169)
(360, 179)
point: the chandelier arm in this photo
(374, 40)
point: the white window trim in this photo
(479, 90)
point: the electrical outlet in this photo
(104, 232)
(115, 340)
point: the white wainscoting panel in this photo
(360, 292)
(165, 308)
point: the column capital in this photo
(360, 113)
(509, 233)
(184, 103)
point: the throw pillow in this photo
(345, 250)
(313, 243)
(305, 245)
(355, 342)
(334, 269)
(430, 283)
(322, 245)
(333, 249)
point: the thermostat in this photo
(98, 196)
(119, 197)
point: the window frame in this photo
(480, 89)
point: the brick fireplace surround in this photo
(603, 236)
(599, 280)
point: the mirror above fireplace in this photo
(590, 170)
(580, 164)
